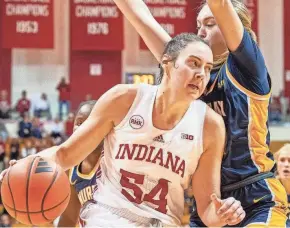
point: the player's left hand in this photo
(230, 210)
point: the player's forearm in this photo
(210, 218)
(53, 154)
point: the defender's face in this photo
(209, 31)
(283, 164)
(81, 116)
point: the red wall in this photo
(83, 83)
(5, 63)
(5, 71)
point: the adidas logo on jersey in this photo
(159, 139)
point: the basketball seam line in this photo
(27, 188)
(45, 194)
(15, 213)
(35, 212)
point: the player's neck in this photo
(168, 109)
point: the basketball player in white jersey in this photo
(158, 139)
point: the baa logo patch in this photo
(136, 122)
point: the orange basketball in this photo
(35, 191)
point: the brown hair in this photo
(246, 20)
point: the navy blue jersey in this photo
(85, 184)
(240, 92)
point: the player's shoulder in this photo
(213, 119)
(123, 93)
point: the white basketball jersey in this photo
(145, 169)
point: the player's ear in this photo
(166, 62)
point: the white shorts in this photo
(100, 215)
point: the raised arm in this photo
(207, 177)
(138, 14)
(110, 109)
(228, 22)
(245, 62)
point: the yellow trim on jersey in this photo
(70, 175)
(277, 218)
(91, 174)
(257, 134)
(279, 193)
(278, 214)
(244, 90)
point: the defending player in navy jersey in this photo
(83, 177)
(239, 90)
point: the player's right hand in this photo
(3, 173)
(230, 210)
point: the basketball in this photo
(35, 191)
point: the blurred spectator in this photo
(25, 127)
(275, 114)
(57, 131)
(2, 153)
(3, 131)
(284, 101)
(5, 221)
(36, 130)
(28, 149)
(88, 97)
(69, 125)
(14, 149)
(37, 144)
(42, 107)
(5, 108)
(64, 96)
(23, 104)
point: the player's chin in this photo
(196, 95)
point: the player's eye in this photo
(208, 69)
(193, 63)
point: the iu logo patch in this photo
(136, 122)
(187, 136)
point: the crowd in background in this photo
(28, 127)
(280, 109)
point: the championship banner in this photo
(287, 48)
(96, 25)
(27, 23)
(252, 6)
(175, 16)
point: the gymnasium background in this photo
(93, 47)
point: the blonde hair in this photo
(286, 147)
(246, 20)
